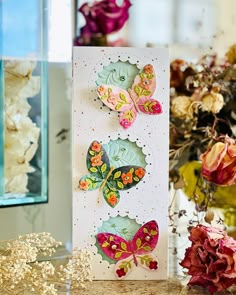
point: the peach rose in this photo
(219, 163)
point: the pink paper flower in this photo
(125, 123)
(211, 259)
(219, 163)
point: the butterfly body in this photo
(135, 252)
(135, 100)
(108, 179)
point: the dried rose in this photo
(181, 107)
(231, 54)
(211, 259)
(219, 163)
(212, 102)
(104, 17)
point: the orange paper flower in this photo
(140, 172)
(96, 161)
(148, 69)
(96, 146)
(112, 199)
(127, 178)
(84, 185)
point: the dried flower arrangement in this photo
(25, 266)
(21, 133)
(203, 130)
(203, 164)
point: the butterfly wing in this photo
(127, 117)
(149, 106)
(145, 82)
(143, 88)
(111, 195)
(114, 97)
(147, 261)
(98, 163)
(126, 177)
(114, 246)
(146, 238)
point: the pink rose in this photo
(211, 259)
(104, 17)
(219, 163)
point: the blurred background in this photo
(188, 28)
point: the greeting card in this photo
(120, 160)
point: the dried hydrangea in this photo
(21, 133)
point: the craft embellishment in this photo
(107, 178)
(136, 99)
(132, 253)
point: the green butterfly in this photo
(108, 179)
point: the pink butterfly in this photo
(129, 254)
(135, 100)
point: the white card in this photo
(120, 160)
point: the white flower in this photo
(212, 102)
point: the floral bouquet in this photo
(102, 18)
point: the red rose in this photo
(104, 17)
(211, 259)
(121, 272)
(219, 163)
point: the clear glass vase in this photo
(23, 103)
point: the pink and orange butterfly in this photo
(135, 100)
(129, 254)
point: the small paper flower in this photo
(139, 172)
(121, 272)
(96, 161)
(156, 108)
(84, 185)
(112, 199)
(96, 147)
(210, 259)
(153, 265)
(127, 177)
(145, 83)
(125, 123)
(148, 69)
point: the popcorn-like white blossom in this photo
(21, 133)
(25, 266)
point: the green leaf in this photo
(118, 254)
(92, 153)
(120, 185)
(138, 242)
(105, 244)
(117, 175)
(109, 90)
(137, 90)
(106, 191)
(153, 232)
(131, 170)
(123, 246)
(142, 75)
(150, 76)
(118, 106)
(123, 97)
(135, 178)
(147, 248)
(145, 230)
(104, 167)
(146, 92)
(93, 169)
